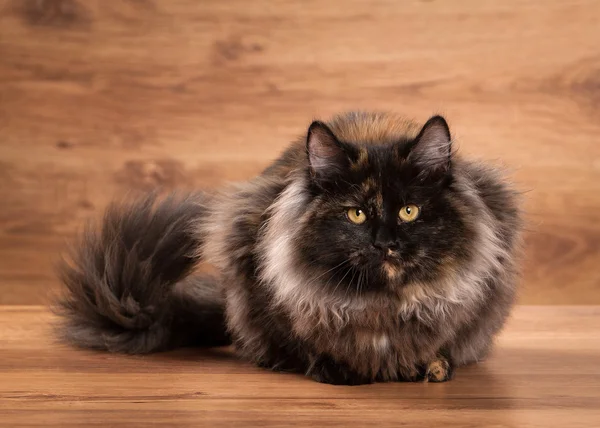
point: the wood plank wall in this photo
(99, 98)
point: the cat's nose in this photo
(384, 241)
(386, 246)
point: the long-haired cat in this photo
(369, 251)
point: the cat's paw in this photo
(439, 370)
(326, 370)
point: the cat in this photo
(369, 251)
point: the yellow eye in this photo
(409, 212)
(356, 215)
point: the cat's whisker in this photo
(326, 272)
(353, 275)
(330, 278)
(341, 280)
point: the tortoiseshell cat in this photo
(368, 251)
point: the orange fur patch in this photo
(369, 185)
(390, 270)
(363, 159)
(373, 128)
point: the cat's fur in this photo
(300, 287)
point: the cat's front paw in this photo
(439, 370)
(326, 370)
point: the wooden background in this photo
(100, 98)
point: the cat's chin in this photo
(392, 270)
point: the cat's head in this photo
(382, 211)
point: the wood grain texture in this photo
(544, 373)
(101, 98)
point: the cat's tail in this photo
(128, 286)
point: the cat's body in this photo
(317, 271)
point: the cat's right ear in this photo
(326, 155)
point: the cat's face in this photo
(382, 215)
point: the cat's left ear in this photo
(432, 148)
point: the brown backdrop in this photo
(98, 98)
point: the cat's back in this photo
(498, 196)
(493, 187)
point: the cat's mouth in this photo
(389, 255)
(390, 262)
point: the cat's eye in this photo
(356, 215)
(409, 212)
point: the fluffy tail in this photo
(127, 285)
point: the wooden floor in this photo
(544, 373)
(99, 98)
